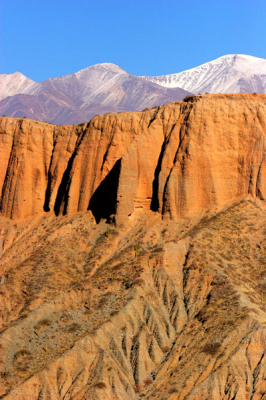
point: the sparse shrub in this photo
(5, 373)
(22, 368)
(87, 304)
(21, 353)
(138, 282)
(45, 322)
(166, 349)
(100, 385)
(104, 299)
(73, 327)
(41, 324)
(173, 390)
(227, 257)
(37, 330)
(211, 348)
(137, 250)
(136, 388)
(127, 284)
(147, 381)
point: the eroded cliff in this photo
(178, 159)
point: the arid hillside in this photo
(133, 254)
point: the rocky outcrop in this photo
(178, 159)
(27, 148)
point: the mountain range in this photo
(105, 88)
(78, 97)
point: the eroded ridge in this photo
(156, 310)
(178, 159)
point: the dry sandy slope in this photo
(160, 310)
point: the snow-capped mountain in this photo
(78, 97)
(233, 73)
(106, 87)
(13, 84)
(83, 84)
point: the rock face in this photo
(150, 307)
(178, 159)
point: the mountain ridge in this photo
(76, 98)
(106, 87)
(221, 75)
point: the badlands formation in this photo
(133, 252)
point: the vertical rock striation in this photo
(178, 159)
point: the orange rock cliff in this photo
(178, 159)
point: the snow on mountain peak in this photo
(107, 83)
(102, 66)
(232, 73)
(11, 84)
(242, 63)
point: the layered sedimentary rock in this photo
(177, 159)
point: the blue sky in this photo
(45, 39)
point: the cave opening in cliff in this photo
(104, 199)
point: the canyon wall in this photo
(178, 159)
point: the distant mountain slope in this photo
(106, 87)
(78, 97)
(13, 84)
(42, 107)
(233, 73)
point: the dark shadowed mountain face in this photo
(78, 97)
